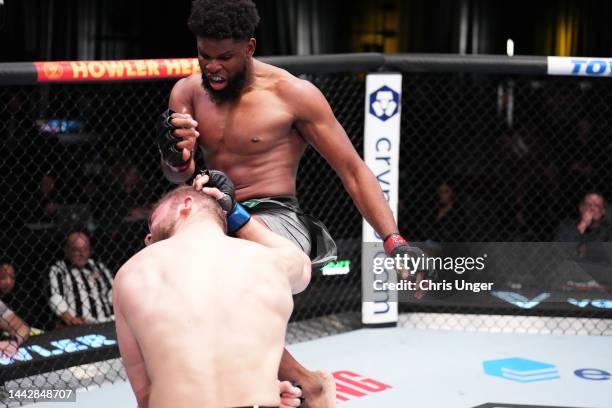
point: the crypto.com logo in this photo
(384, 103)
(521, 369)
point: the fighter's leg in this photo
(318, 387)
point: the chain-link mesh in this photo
(515, 154)
(518, 154)
(83, 158)
(487, 158)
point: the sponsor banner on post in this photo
(381, 154)
(76, 71)
(580, 66)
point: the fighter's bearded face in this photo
(224, 66)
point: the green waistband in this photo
(290, 200)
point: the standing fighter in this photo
(200, 316)
(253, 121)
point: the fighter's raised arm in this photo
(177, 134)
(316, 122)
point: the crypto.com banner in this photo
(381, 154)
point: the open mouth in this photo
(217, 82)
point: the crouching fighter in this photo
(201, 316)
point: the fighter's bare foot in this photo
(319, 390)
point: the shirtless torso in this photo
(203, 324)
(261, 154)
(259, 139)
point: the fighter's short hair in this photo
(206, 204)
(223, 19)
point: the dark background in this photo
(112, 29)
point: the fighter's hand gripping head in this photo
(288, 257)
(237, 216)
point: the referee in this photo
(81, 288)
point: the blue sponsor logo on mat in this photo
(519, 300)
(521, 369)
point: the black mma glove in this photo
(395, 245)
(237, 216)
(166, 143)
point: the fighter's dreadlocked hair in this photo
(222, 19)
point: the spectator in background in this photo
(586, 153)
(46, 200)
(131, 194)
(121, 210)
(582, 163)
(10, 323)
(81, 288)
(17, 329)
(586, 252)
(519, 227)
(447, 222)
(25, 301)
(7, 279)
(592, 225)
(126, 196)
